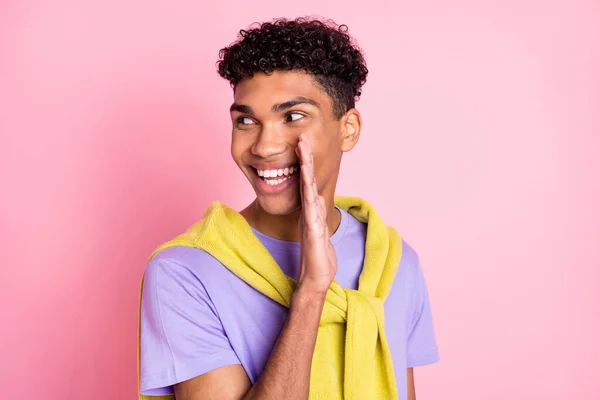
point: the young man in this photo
(302, 294)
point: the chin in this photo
(278, 205)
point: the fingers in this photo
(306, 168)
(322, 204)
(301, 180)
(311, 202)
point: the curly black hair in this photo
(321, 48)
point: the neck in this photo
(285, 227)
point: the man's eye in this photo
(245, 121)
(291, 117)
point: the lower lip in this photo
(275, 189)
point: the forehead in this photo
(280, 86)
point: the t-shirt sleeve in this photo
(181, 335)
(421, 345)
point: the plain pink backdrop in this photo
(482, 116)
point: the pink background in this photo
(483, 116)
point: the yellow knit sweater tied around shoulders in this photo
(351, 359)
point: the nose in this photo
(269, 142)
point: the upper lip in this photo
(272, 166)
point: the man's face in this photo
(268, 115)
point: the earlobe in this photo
(352, 123)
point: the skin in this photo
(286, 118)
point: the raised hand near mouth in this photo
(318, 260)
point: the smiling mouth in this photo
(276, 177)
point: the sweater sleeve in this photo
(181, 335)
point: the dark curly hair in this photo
(320, 48)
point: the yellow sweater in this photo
(351, 359)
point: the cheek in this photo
(238, 148)
(327, 159)
(324, 164)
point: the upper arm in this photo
(226, 383)
(181, 335)
(410, 385)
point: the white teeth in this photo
(274, 182)
(272, 173)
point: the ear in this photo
(351, 123)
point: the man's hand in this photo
(318, 261)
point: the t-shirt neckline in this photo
(272, 243)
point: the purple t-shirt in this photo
(198, 316)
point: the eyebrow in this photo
(294, 102)
(241, 108)
(244, 109)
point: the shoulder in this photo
(409, 281)
(410, 257)
(410, 265)
(180, 268)
(183, 257)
